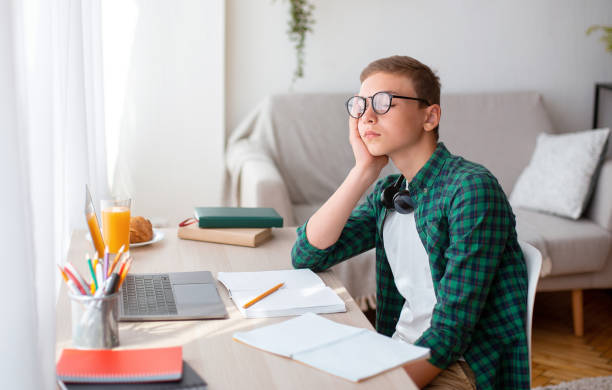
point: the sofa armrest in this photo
(600, 209)
(261, 185)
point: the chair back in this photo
(533, 260)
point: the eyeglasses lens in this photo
(381, 102)
(356, 106)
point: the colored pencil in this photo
(93, 274)
(125, 271)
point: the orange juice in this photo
(116, 227)
(96, 235)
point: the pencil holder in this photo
(94, 321)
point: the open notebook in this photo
(303, 292)
(345, 351)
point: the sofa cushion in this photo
(561, 174)
(573, 246)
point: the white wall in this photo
(190, 69)
(475, 45)
(164, 86)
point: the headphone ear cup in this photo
(403, 203)
(386, 197)
(388, 194)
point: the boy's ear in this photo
(433, 117)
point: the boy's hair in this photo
(425, 82)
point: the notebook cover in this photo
(120, 366)
(238, 217)
(250, 237)
(190, 380)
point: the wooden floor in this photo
(558, 355)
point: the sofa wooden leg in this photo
(577, 304)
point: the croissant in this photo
(141, 230)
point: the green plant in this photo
(606, 38)
(300, 22)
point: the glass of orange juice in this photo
(116, 223)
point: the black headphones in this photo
(393, 198)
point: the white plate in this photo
(157, 236)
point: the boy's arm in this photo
(358, 234)
(324, 228)
(338, 215)
(422, 372)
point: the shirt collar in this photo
(428, 173)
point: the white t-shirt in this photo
(412, 274)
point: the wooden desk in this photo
(207, 344)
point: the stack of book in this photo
(244, 226)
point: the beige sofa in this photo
(292, 152)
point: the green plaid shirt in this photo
(468, 230)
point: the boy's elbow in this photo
(297, 263)
(302, 260)
(296, 260)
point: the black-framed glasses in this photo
(381, 103)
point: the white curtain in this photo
(52, 144)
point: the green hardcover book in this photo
(238, 217)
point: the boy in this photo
(450, 274)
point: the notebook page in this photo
(287, 302)
(362, 356)
(264, 280)
(298, 334)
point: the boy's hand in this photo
(326, 225)
(365, 162)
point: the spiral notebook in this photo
(189, 381)
(120, 366)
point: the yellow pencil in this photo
(262, 295)
(63, 273)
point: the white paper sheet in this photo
(345, 351)
(263, 280)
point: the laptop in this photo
(170, 296)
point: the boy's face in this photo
(402, 126)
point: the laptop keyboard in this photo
(148, 295)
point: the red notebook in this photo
(120, 366)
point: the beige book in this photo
(234, 236)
